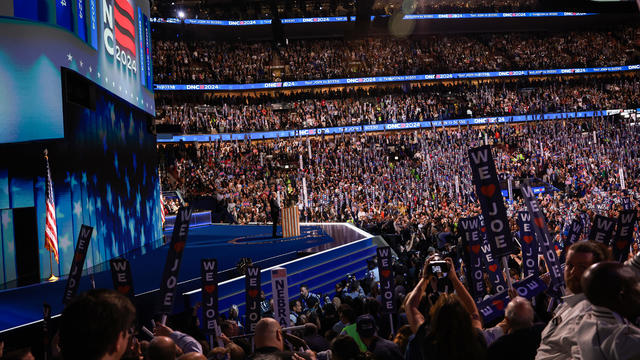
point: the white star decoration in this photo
(64, 242)
(69, 57)
(90, 69)
(114, 83)
(77, 208)
(81, 63)
(119, 87)
(99, 75)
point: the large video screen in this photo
(107, 41)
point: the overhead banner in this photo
(624, 235)
(602, 229)
(394, 78)
(209, 276)
(528, 244)
(280, 290)
(542, 235)
(473, 239)
(121, 275)
(252, 287)
(167, 138)
(77, 263)
(488, 191)
(385, 269)
(174, 259)
(493, 308)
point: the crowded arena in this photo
(321, 180)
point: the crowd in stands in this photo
(405, 182)
(196, 113)
(253, 10)
(216, 62)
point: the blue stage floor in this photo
(226, 243)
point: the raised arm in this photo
(412, 301)
(464, 296)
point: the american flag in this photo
(280, 272)
(162, 207)
(51, 231)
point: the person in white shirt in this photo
(558, 337)
(605, 331)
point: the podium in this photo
(290, 222)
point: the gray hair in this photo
(519, 313)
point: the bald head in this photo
(519, 314)
(268, 333)
(614, 286)
(161, 348)
(192, 356)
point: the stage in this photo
(226, 243)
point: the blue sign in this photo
(82, 26)
(64, 16)
(382, 79)
(93, 23)
(147, 53)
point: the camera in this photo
(437, 265)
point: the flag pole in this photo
(52, 278)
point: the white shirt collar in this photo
(573, 299)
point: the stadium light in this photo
(181, 14)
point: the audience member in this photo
(97, 325)
(522, 338)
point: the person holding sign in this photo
(454, 331)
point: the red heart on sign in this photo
(621, 244)
(539, 222)
(124, 289)
(253, 293)
(385, 273)
(499, 304)
(493, 268)
(483, 229)
(209, 288)
(488, 190)
(475, 249)
(178, 246)
(528, 239)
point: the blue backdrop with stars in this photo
(104, 174)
